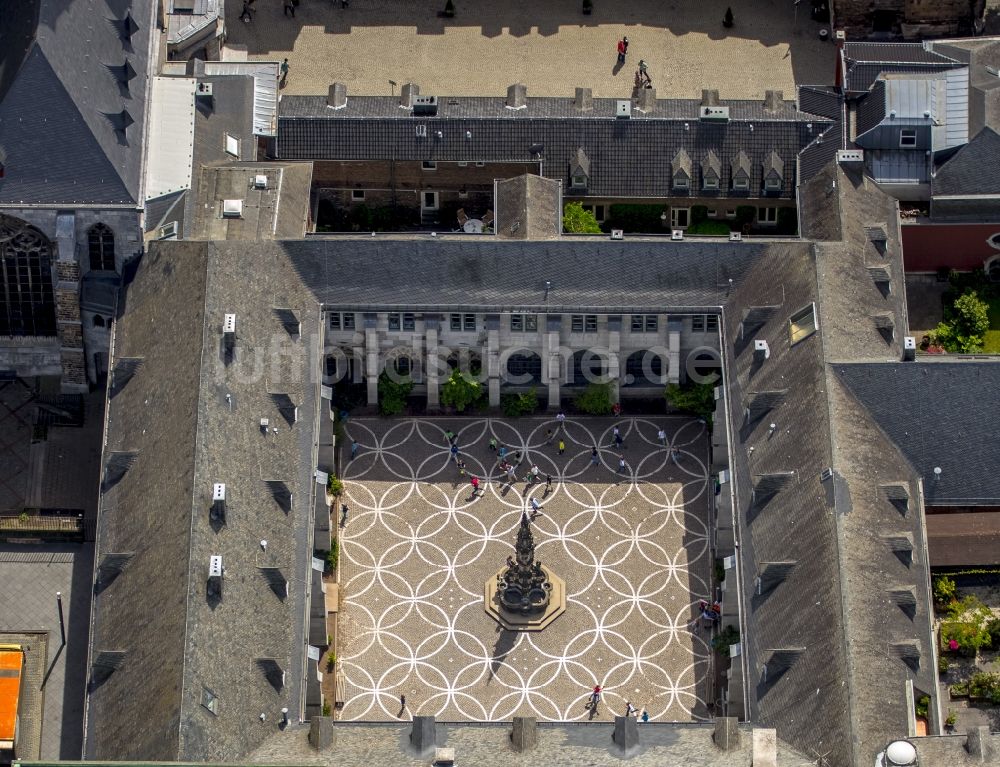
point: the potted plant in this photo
(727, 20)
(334, 487)
(949, 722)
(588, 7)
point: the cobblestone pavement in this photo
(417, 551)
(551, 47)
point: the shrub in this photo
(950, 719)
(985, 686)
(326, 708)
(515, 405)
(334, 486)
(943, 664)
(923, 704)
(969, 637)
(710, 228)
(728, 636)
(460, 390)
(635, 218)
(788, 221)
(331, 661)
(392, 394)
(959, 690)
(697, 399)
(595, 399)
(699, 213)
(965, 323)
(945, 590)
(333, 555)
(745, 215)
(576, 220)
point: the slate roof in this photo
(62, 113)
(169, 414)
(871, 109)
(629, 158)
(863, 62)
(822, 100)
(971, 170)
(937, 413)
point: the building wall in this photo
(928, 247)
(935, 17)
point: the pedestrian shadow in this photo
(618, 67)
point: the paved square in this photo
(551, 47)
(418, 549)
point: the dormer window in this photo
(682, 182)
(908, 137)
(580, 182)
(772, 184)
(774, 172)
(711, 170)
(579, 170)
(711, 182)
(681, 169)
(741, 182)
(740, 169)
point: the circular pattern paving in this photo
(632, 546)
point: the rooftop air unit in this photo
(676, 234)
(623, 110)
(909, 348)
(232, 208)
(215, 575)
(218, 510)
(425, 106)
(850, 155)
(736, 236)
(617, 234)
(260, 181)
(203, 91)
(713, 113)
(229, 331)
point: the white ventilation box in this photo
(714, 114)
(728, 563)
(623, 109)
(723, 476)
(168, 232)
(761, 350)
(229, 323)
(232, 208)
(909, 348)
(215, 566)
(203, 90)
(617, 234)
(850, 155)
(260, 181)
(219, 491)
(736, 236)
(676, 234)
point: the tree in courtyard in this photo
(576, 220)
(460, 390)
(392, 394)
(696, 399)
(966, 323)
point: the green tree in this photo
(595, 399)
(392, 394)
(515, 405)
(697, 399)
(966, 321)
(576, 220)
(460, 390)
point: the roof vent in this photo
(203, 90)
(216, 572)
(408, 94)
(850, 156)
(761, 351)
(127, 27)
(584, 100)
(336, 96)
(710, 98)
(229, 333)
(273, 672)
(727, 733)
(229, 324)
(218, 511)
(623, 110)
(425, 106)
(289, 321)
(977, 742)
(232, 208)
(714, 114)
(422, 734)
(900, 753)
(617, 234)
(676, 234)
(517, 96)
(626, 734)
(276, 580)
(286, 407)
(736, 236)
(524, 733)
(260, 181)
(281, 494)
(905, 599)
(909, 348)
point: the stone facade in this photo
(636, 354)
(913, 19)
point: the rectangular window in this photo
(711, 182)
(463, 165)
(409, 322)
(698, 323)
(347, 320)
(590, 323)
(429, 201)
(469, 322)
(576, 323)
(772, 184)
(767, 215)
(232, 145)
(429, 165)
(682, 182)
(712, 323)
(802, 324)
(680, 217)
(908, 137)
(456, 322)
(636, 323)
(741, 182)
(652, 323)
(358, 194)
(480, 165)
(730, 212)
(394, 321)
(334, 320)
(580, 181)
(523, 323)
(712, 213)
(599, 213)
(644, 323)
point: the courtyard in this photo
(550, 47)
(418, 547)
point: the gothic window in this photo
(27, 306)
(102, 248)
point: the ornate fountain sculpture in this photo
(524, 587)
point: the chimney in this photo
(761, 351)
(321, 733)
(772, 101)
(977, 743)
(336, 97)
(407, 94)
(524, 735)
(584, 101)
(646, 102)
(710, 98)
(626, 734)
(422, 734)
(517, 96)
(727, 733)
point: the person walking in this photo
(675, 454)
(536, 508)
(621, 51)
(344, 511)
(503, 452)
(475, 486)
(594, 457)
(548, 484)
(450, 436)
(661, 437)
(619, 442)
(562, 447)
(630, 710)
(402, 703)
(454, 453)
(289, 8)
(615, 436)
(595, 696)
(548, 436)
(461, 467)
(284, 71)
(493, 444)
(621, 465)
(511, 476)
(354, 449)
(561, 420)
(625, 41)
(645, 715)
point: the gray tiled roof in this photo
(59, 113)
(871, 109)
(940, 414)
(820, 100)
(864, 62)
(173, 416)
(973, 169)
(629, 158)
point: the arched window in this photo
(27, 304)
(101, 240)
(524, 369)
